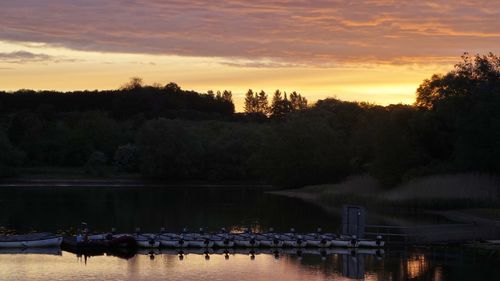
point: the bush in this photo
(168, 150)
(10, 157)
(96, 164)
(125, 159)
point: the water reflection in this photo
(25, 209)
(234, 264)
(416, 266)
(125, 209)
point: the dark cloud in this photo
(289, 31)
(25, 57)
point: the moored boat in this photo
(246, 240)
(292, 240)
(101, 241)
(344, 241)
(146, 240)
(35, 240)
(121, 241)
(271, 240)
(317, 241)
(172, 240)
(378, 242)
(198, 240)
(222, 240)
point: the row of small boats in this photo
(232, 240)
(200, 239)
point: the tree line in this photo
(453, 126)
(281, 105)
(133, 98)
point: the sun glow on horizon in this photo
(64, 69)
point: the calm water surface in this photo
(45, 209)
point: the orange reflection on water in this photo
(416, 266)
(239, 267)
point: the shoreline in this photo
(458, 215)
(466, 225)
(124, 183)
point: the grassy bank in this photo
(467, 195)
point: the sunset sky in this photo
(368, 50)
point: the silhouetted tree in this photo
(298, 102)
(281, 106)
(475, 76)
(172, 88)
(464, 114)
(227, 96)
(250, 102)
(134, 84)
(262, 103)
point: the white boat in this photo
(245, 240)
(172, 240)
(36, 240)
(251, 243)
(222, 240)
(317, 241)
(146, 241)
(270, 240)
(224, 243)
(372, 243)
(322, 243)
(198, 240)
(348, 243)
(292, 240)
(97, 237)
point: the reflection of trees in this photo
(152, 208)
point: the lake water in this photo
(59, 209)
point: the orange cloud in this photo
(313, 33)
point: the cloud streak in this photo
(21, 57)
(300, 32)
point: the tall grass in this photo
(432, 192)
(461, 186)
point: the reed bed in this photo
(452, 191)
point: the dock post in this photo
(353, 220)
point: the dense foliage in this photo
(132, 99)
(168, 133)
